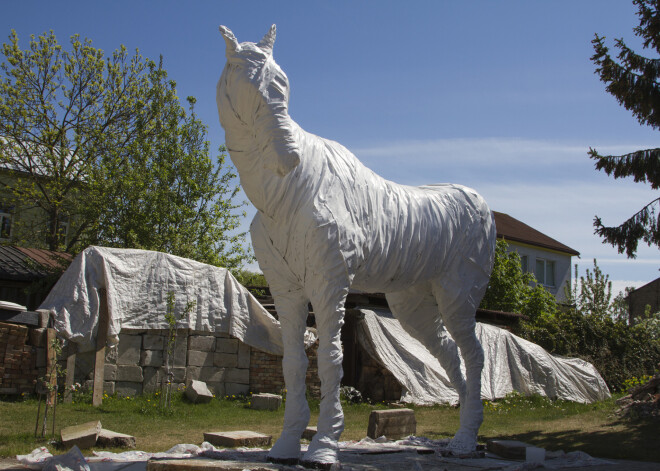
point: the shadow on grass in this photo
(618, 439)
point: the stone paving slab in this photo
(82, 435)
(238, 438)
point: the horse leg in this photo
(458, 309)
(329, 312)
(417, 311)
(292, 312)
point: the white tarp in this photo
(137, 284)
(511, 363)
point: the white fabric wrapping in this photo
(137, 284)
(511, 364)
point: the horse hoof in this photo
(323, 466)
(463, 443)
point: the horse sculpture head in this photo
(252, 97)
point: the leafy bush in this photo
(592, 326)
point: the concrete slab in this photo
(237, 438)
(110, 439)
(265, 401)
(83, 435)
(392, 423)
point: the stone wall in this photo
(22, 358)
(138, 364)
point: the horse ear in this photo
(267, 42)
(230, 40)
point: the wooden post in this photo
(101, 339)
(51, 366)
(70, 372)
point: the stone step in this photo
(237, 438)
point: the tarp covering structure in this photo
(511, 363)
(137, 283)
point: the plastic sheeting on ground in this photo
(511, 363)
(137, 283)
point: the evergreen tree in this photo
(633, 81)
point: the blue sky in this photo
(496, 95)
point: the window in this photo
(5, 221)
(524, 263)
(545, 272)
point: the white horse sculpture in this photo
(326, 223)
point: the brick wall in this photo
(22, 358)
(266, 373)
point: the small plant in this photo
(632, 382)
(47, 385)
(171, 319)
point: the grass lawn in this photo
(594, 428)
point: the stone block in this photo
(129, 373)
(83, 435)
(226, 345)
(127, 388)
(151, 358)
(37, 337)
(212, 374)
(181, 349)
(110, 372)
(109, 387)
(200, 358)
(237, 438)
(243, 355)
(218, 388)
(511, 449)
(237, 375)
(266, 401)
(153, 342)
(225, 360)
(40, 357)
(202, 343)
(193, 372)
(393, 423)
(236, 389)
(128, 350)
(110, 439)
(152, 379)
(198, 393)
(178, 374)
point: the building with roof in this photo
(22, 270)
(548, 259)
(643, 298)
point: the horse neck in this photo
(263, 188)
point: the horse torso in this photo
(389, 236)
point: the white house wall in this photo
(562, 265)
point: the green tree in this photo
(103, 146)
(633, 81)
